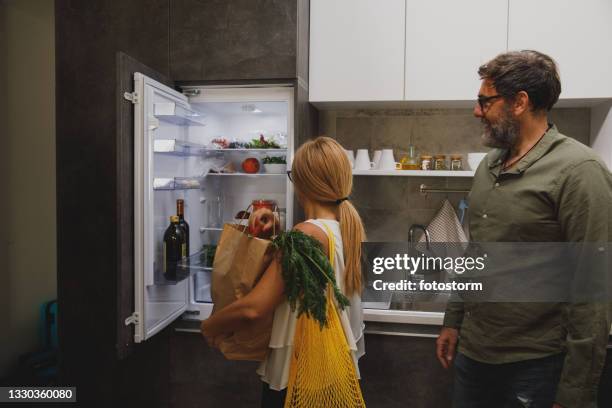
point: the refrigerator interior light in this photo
(251, 108)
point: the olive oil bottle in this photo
(175, 247)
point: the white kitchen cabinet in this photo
(446, 42)
(576, 34)
(356, 50)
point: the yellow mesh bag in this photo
(321, 373)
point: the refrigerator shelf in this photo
(176, 147)
(204, 229)
(279, 150)
(176, 114)
(247, 174)
(176, 183)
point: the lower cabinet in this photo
(403, 372)
(395, 372)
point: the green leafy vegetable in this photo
(307, 272)
(274, 160)
(262, 143)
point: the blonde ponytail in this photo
(353, 234)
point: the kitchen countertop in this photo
(411, 326)
(383, 322)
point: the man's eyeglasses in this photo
(485, 101)
(289, 175)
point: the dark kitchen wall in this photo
(233, 40)
(88, 36)
(186, 41)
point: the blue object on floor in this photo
(48, 325)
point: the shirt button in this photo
(484, 215)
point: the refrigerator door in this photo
(161, 114)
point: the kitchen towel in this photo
(445, 226)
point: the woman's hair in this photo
(322, 172)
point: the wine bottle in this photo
(174, 249)
(180, 211)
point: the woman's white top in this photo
(274, 370)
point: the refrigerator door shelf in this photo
(184, 269)
(197, 262)
(177, 183)
(177, 147)
(182, 273)
(176, 114)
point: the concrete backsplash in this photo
(389, 205)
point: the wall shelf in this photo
(415, 173)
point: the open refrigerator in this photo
(179, 154)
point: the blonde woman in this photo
(323, 181)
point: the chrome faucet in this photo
(421, 227)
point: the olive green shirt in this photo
(560, 191)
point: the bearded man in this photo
(536, 185)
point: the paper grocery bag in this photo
(240, 260)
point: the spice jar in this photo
(455, 162)
(426, 162)
(440, 162)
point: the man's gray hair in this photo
(527, 70)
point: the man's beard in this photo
(503, 134)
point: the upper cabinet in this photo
(357, 50)
(575, 33)
(446, 42)
(430, 50)
(235, 39)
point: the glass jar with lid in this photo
(426, 162)
(456, 162)
(440, 162)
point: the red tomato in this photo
(250, 165)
